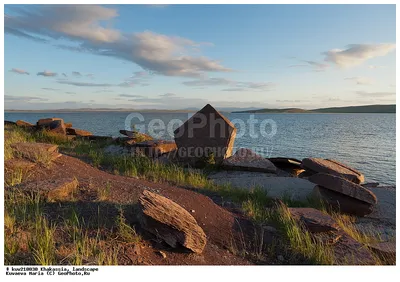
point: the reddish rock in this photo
(14, 164)
(55, 125)
(342, 203)
(36, 151)
(206, 132)
(348, 251)
(343, 186)
(53, 189)
(68, 125)
(314, 220)
(23, 123)
(170, 222)
(154, 148)
(78, 132)
(246, 159)
(333, 167)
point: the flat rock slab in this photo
(78, 132)
(341, 202)
(333, 167)
(343, 186)
(385, 209)
(277, 187)
(31, 150)
(23, 123)
(290, 162)
(314, 220)
(53, 189)
(246, 159)
(350, 252)
(169, 221)
(154, 148)
(15, 164)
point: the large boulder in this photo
(170, 222)
(246, 159)
(341, 202)
(343, 186)
(333, 167)
(55, 125)
(206, 133)
(78, 132)
(154, 148)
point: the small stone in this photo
(192, 211)
(164, 255)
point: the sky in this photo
(185, 56)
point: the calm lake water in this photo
(367, 142)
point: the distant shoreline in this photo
(381, 109)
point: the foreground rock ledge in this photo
(169, 221)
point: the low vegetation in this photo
(74, 241)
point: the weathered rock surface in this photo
(14, 164)
(333, 167)
(370, 185)
(341, 202)
(23, 123)
(78, 132)
(246, 159)
(53, 189)
(169, 221)
(348, 251)
(154, 148)
(206, 132)
(343, 186)
(314, 220)
(36, 151)
(68, 125)
(277, 187)
(55, 125)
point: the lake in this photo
(366, 142)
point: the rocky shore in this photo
(292, 186)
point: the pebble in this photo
(164, 255)
(192, 211)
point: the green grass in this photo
(86, 248)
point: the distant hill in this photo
(360, 109)
(353, 109)
(288, 110)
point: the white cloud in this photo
(25, 99)
(83, 24)
(235, 85)
(19, 71)
(375, 94)
(84, 84)
(356, 54)
(47, 73)
(361, 80)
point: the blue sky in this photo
(184, 56)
